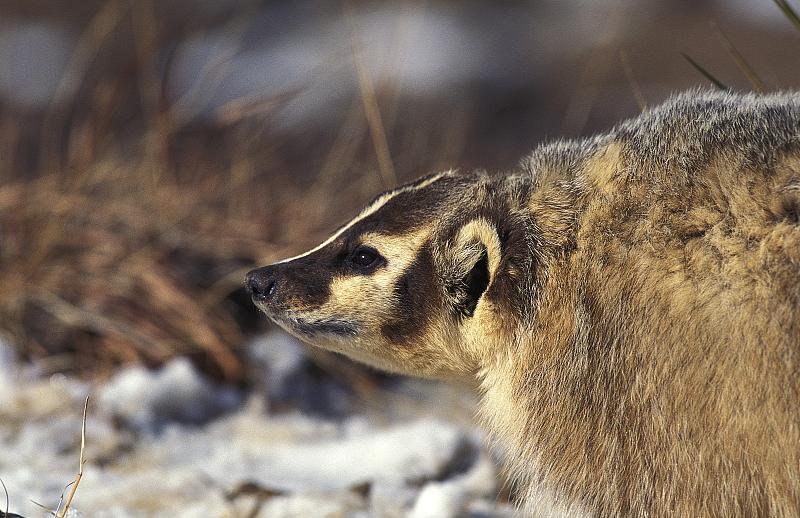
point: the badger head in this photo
(412, 284)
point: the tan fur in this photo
(628, 304)
(603, 170)
(478, 231)
(701, 417)
(371, 292)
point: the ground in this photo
(172, 443)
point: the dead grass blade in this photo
(81, 461)
(371, 109)
(224, 287)
(212, 74)
(60, 512)
(343, 149)
(236, 110)
(585, 92)
(631, 77)
(169, 298)
(72, 315)
(8, 500)
(51, 512)
(89, 44)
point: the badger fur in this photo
(629, 305)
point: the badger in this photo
(628, 304)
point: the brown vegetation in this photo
(126, 225)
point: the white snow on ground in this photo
(7, 370)
(404, 453)
(279, 356)
(176, 392)
(157, 445)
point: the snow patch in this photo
(147, 400)
(406, 453)
(440, 500)
(450, 498)
(314, 506)
(391, 498)
(282, 369)
(7, 368)
(280, 357)
(304, 464)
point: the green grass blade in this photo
(719, 84)
(789, 12)
(744, 67)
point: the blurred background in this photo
(153, 152)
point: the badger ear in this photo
(476, 254)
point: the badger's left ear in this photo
(475, 257)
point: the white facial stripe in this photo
(368, 211)
(429, 181)
(380, 202)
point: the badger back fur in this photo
(629, 305)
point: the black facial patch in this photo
(410, 210)
(476, 282)
(415, 295)
(328, 326)
(365, 260)
(305, 281)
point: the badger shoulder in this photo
(677, 303)
(691, 129)
(697, 160)
(678, 138)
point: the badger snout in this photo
(285, 294)
(261, 284)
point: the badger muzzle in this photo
(286, 293)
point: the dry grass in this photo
(81, 463)
(93, 265)
(117, 248)
(126, 226)
(127, 237)
(117, 260)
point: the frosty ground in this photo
(171, 443)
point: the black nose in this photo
(260, 284)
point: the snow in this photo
(147, 399)
(391, 499)
(34, 57)
(313, 506)
(283, 372)
(440, 500)
(406, 453)
(172, 443)
(280, 358)
(7, 371)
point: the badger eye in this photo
(364, 257)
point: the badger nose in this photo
(261, 284)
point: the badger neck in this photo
(536, 225)
(548, 377)
(522, 370)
